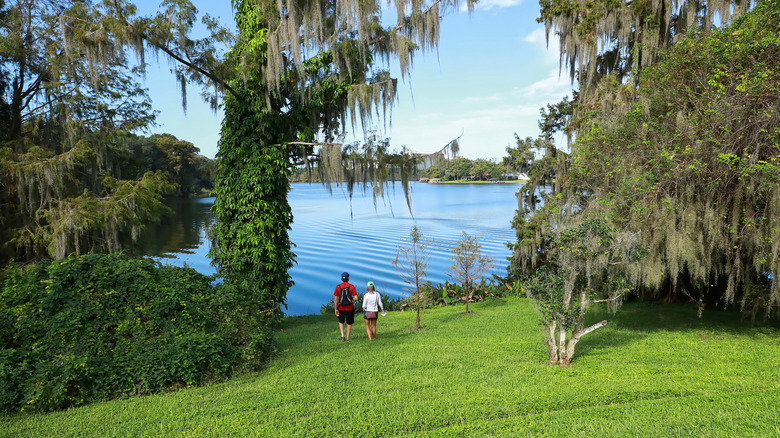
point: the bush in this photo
(389, 303)
(444, 294)
(447, 294)
(101, 326)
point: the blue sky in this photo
(492, 73)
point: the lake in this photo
(333, 233)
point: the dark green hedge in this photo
(98, 327)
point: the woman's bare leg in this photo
(373, 328)
(368, 329)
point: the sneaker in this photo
(341, 338)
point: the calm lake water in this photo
(333, 234)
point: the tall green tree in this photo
(685, 159)
(68, 103)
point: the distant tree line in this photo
(192, 173)
(461, 168)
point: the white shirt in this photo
(372, 302)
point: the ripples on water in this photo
(331, 237)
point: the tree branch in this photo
(178, 58)
(585, 331)
(193, 66)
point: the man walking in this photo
(343, 300)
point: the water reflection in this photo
(181, 232)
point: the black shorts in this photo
(347, 316)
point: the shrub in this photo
(101, 326)
(446, 294)
(390, 304)
(443, 294)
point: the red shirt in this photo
(337, 294)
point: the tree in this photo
(701, 179)
(582, 269)
(520, 158)
(482, 169)
(601, 38)
(414, 267)
(181, 158)
(178, 158)
(458, 168)
(469, 264)
(689, 165)
(69, 106)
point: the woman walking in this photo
(372, 303)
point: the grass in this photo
(655, 370)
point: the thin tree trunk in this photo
(568, 354)
(417, 276)
(552, 348)
(562, 346)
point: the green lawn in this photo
(655, 371)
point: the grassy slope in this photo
(656, 370)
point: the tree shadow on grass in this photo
(650, 317)
(638, 320)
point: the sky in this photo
(488, 79)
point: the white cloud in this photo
(554, 84)
(536, 36)
(486, 5)
(493, 98)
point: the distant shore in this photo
(464, 181)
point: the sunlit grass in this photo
(655, 370)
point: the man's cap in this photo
(345, 275)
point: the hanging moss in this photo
(690, 166)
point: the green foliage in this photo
(460, 168)
(693, 164)
(656, 370)
(468, 264)
(450, 294)
(68, 102)
(686, 165)
(98, 327)
(190, 172)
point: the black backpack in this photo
(345, 297)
